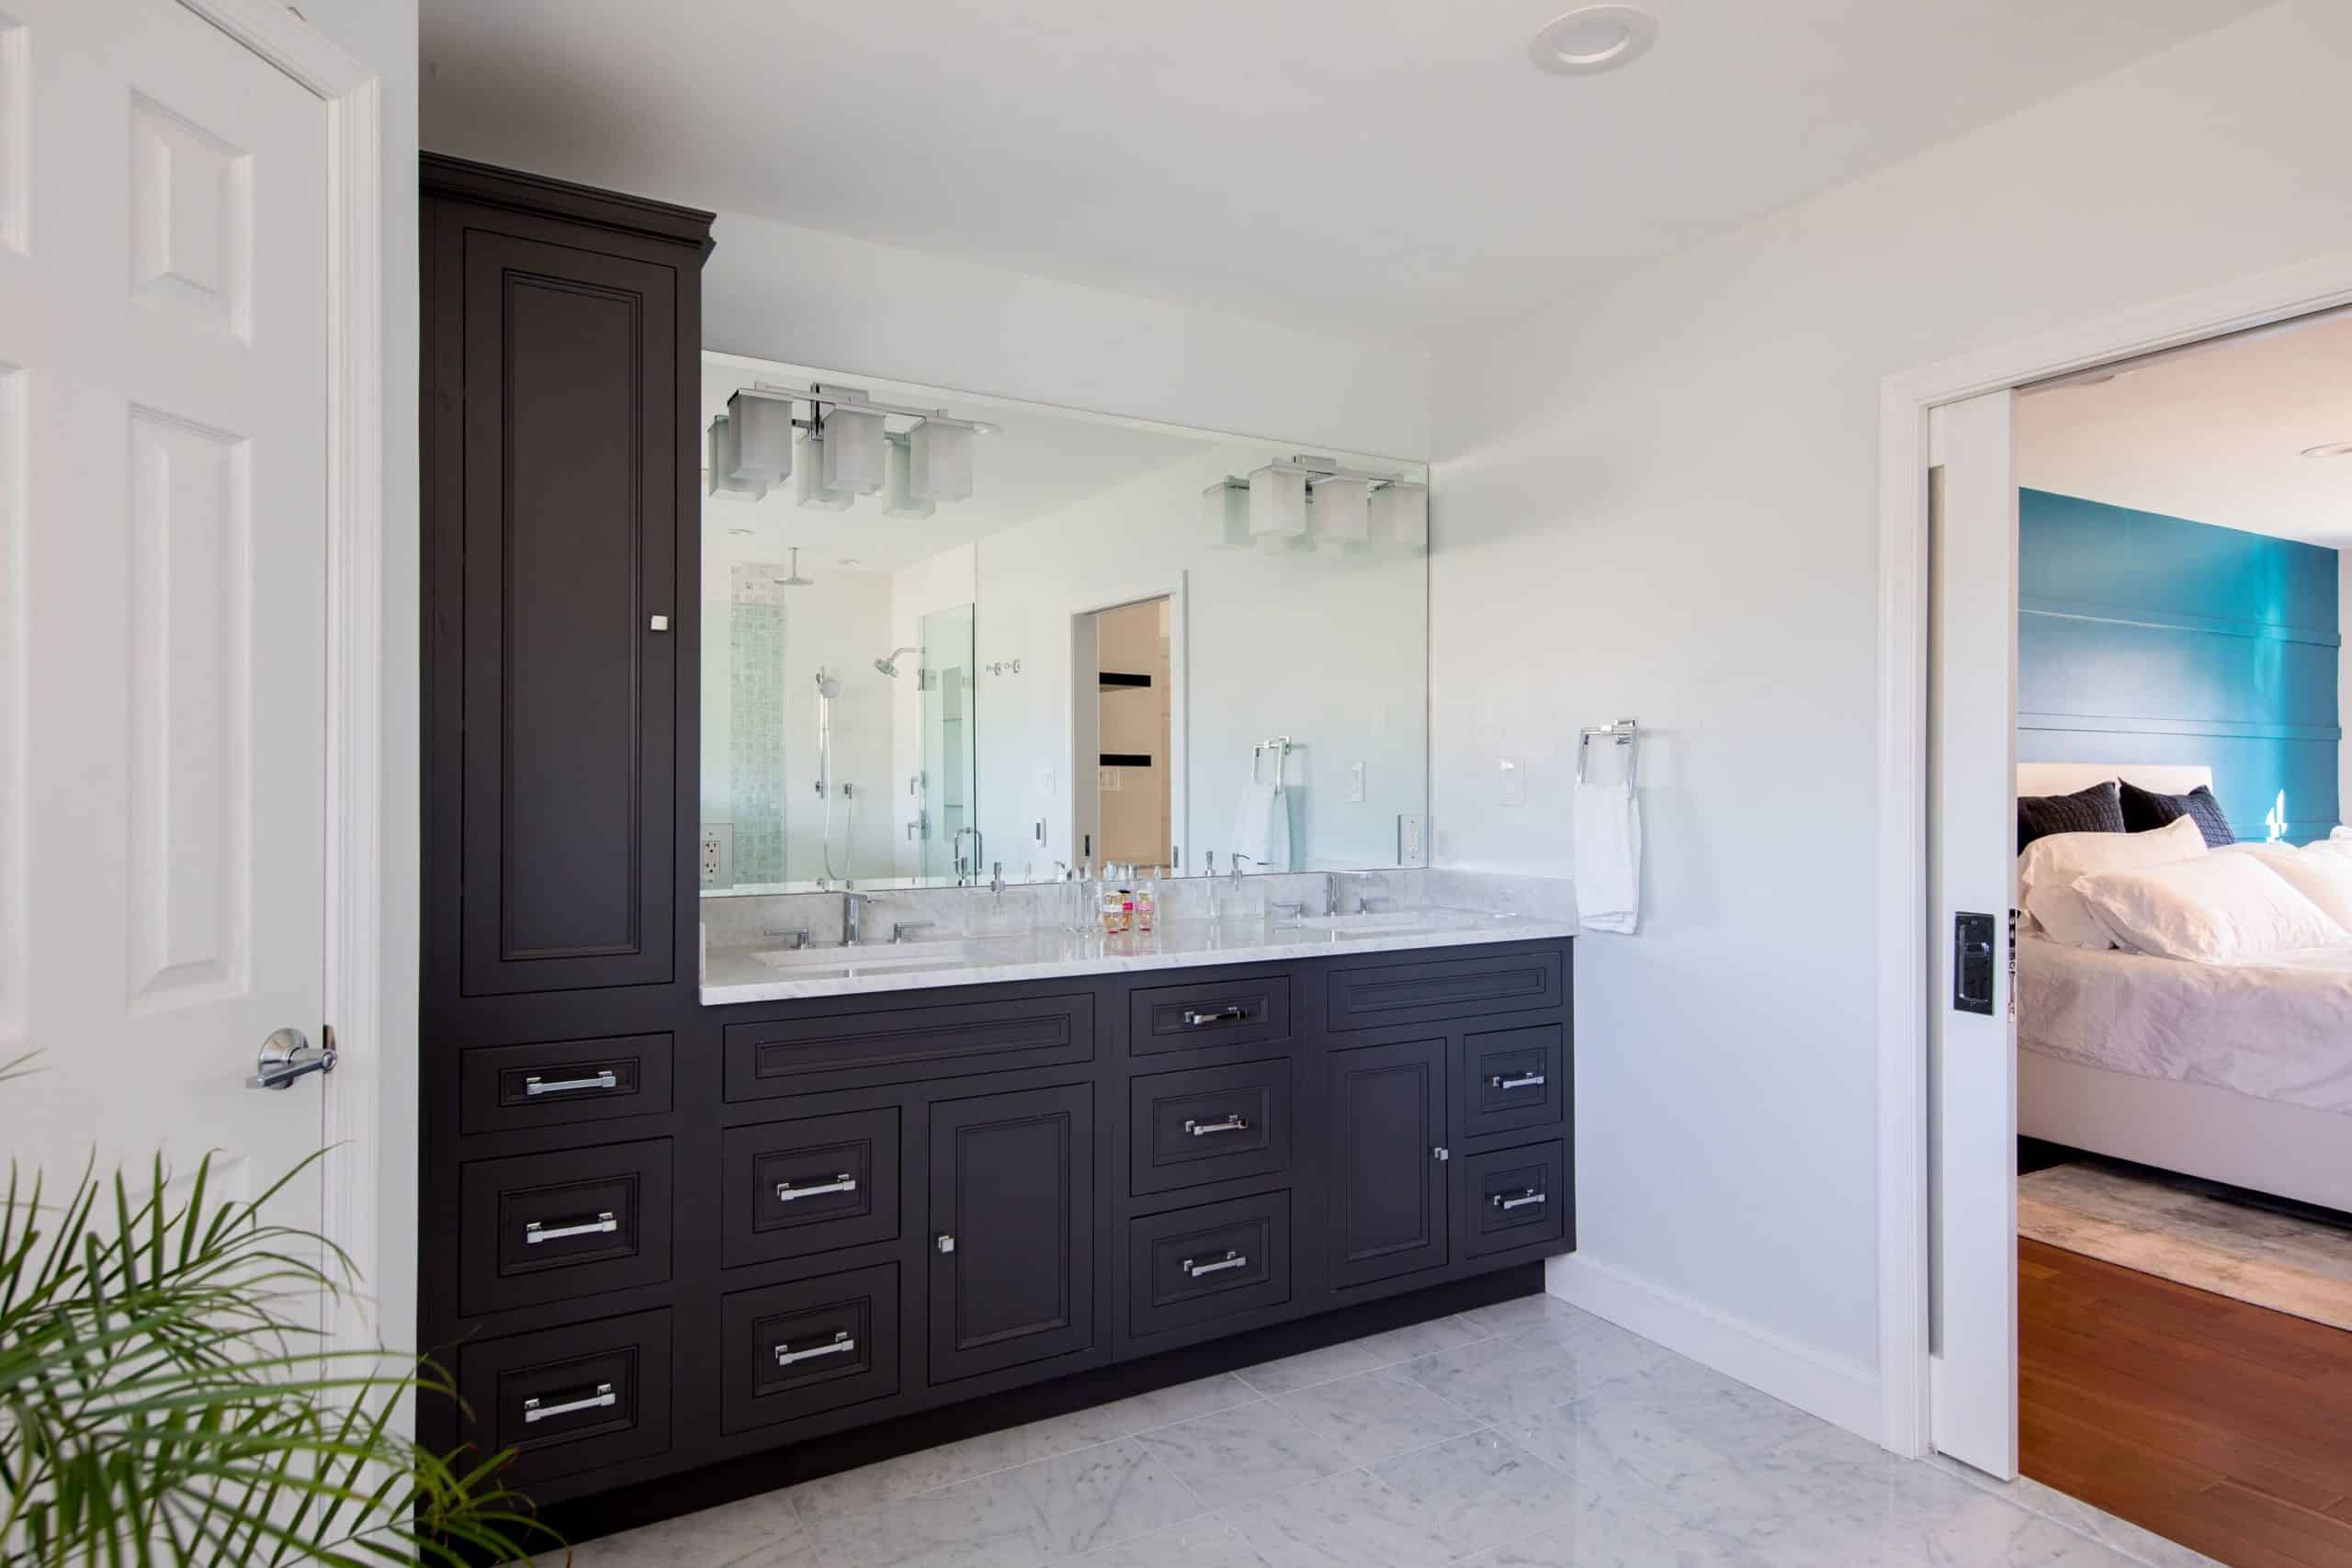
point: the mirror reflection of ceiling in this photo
(1037, 461)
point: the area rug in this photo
(2293, 1260)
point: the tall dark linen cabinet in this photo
(561, 389)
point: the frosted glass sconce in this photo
(1277, 504)
(940, 461)
(853, 450)
(726, 475)
(1225, 514)
(903, 501)
(1343, 513)
(808, 476)
(1401, 511)
(760, 425)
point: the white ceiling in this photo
(1383, 167)
(2215, 436)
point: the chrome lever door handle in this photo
(288, 1055)
(841, 1343)
(534, 1412)
(785, 1191)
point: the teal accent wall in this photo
(2148, 639)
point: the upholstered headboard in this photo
(2066, 778)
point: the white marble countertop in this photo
(752, 974)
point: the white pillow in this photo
(2049, 867)
(2213, 909)
(2321, 872)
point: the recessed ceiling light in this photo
(1592, 38)
(2330, 449)
(852, 560)
(741, 533)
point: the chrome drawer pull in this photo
(1530, 1196)
(534, 1086)
(1231, 1260)
(1215, 1015)
(533, 1233)
(534, 1412)
(786, 1355)
(1530, 1081)
(1232, 1123)
(785, 1191)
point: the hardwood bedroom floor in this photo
(2222, 1425)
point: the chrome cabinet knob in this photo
(946, 1243)
(285, 1055)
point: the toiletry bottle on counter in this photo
(1147, 900)
(1113, 901)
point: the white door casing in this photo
(177, 459)
(1971, 866)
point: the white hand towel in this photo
(1261, 828)
(1609, 856)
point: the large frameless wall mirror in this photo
(945, 633)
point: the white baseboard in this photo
(1838, 1391)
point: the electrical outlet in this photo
(1412, 839)
(1355, 782)
(717, 854)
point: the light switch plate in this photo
(1355, 782)
(1514, 781)
(1412, 839)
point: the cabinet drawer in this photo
(804, 1055)
(503, 1088)
(812, 1185)
(793, 1350)
(1214, 1261)
(1512, 1079)
(1514, 1198)
(1439, 989)
(571, 1399)
(1254, 1011)
(550, 1227)
(1208, 1124)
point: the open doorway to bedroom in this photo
(2180, 985)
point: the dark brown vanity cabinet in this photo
(660, 1238)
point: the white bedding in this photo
(2278, 1029)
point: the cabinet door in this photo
(569, 523)
(1388, 1208)
(1012, 1229)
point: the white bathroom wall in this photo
(1659, 499)
(2344, 686)
(810, 297)
(1322, 646)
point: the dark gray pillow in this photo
(2098, 809)
(2145, 809)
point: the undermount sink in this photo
(1388, 922)
(816, 962)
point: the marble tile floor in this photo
(1524, 1435)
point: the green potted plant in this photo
(163, 1399)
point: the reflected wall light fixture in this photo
(853, 450)
(809, 477)
(1278, 503)
(1342, 512)
(760, 427)
(1225, 514)
(939, 454)
(726, 475)
(903, 501)
(1401, 513)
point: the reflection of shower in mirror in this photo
(828, 688)
(888, 662)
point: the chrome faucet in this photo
(854, 917)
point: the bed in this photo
(2237, 1074)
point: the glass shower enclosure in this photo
(949, 742)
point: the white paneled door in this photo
(164, 460)
(1972, 876)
